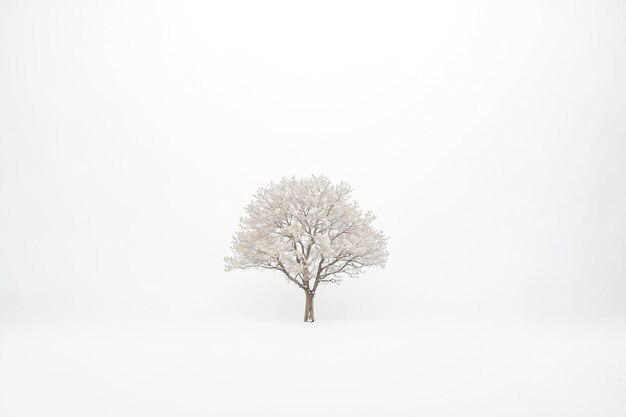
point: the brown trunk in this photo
(308, 308)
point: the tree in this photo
(309, 230)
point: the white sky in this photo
(489, 139)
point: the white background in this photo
(488, 137)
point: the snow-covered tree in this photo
(309, 230)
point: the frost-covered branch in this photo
(308, 229)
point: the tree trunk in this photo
(308, 308)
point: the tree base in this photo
(308, 308)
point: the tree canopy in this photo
(308, 229)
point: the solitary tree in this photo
(309, 230)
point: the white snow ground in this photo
(332, 368)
